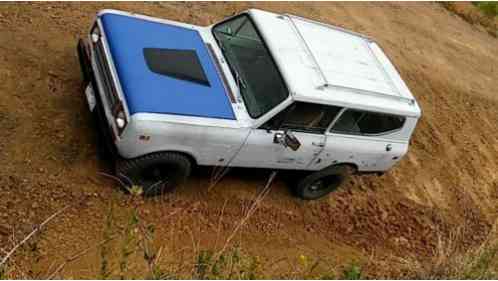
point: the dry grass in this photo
(229, 261)
(479, 15)
(476, 264)
(232, 262)
(138, 258)
(449, 262)
(133, 255)
(135, 240)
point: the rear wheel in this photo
(155, 173)
(321, 183)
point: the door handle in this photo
(319, 144)
(389, 147)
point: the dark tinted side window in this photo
(368, 123)
(304, 117)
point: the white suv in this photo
(258, 90)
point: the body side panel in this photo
(367, 153)
(208, 145)
(259, 151)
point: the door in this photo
(366, 139)
(308, 122)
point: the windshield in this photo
(252, 66)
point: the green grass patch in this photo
(487, 7)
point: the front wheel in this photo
(155, 174)
(321, 183)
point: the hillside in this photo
(446, 189)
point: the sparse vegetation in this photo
(488, 7)
(449, 262)
(230, 265)
(132, 188)
(477, 264)
(128, 245)
(352, 272)
(104, 248)
(483, 14)
(3, 275)
(135, 240)
(233, 263)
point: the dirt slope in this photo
(448, 181)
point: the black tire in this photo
(83, 57)
(156, 173)
(321, 183)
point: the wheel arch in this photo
(353, 166)
(189, 155)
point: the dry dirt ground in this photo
(447, 183)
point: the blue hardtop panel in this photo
(150, 92)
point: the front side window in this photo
(252, 66)
(367, 123)
(304, 117)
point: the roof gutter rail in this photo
(317, 67)
(308, 50)
(330, 26)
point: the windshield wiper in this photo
(241, 84)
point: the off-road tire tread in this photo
(342, 170)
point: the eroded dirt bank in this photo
(448, 181)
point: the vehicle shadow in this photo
(243, 180)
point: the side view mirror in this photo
(287, 139)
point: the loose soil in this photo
(447, 182)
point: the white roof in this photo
(330, 65)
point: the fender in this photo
(353, 166)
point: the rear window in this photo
(367, 123)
